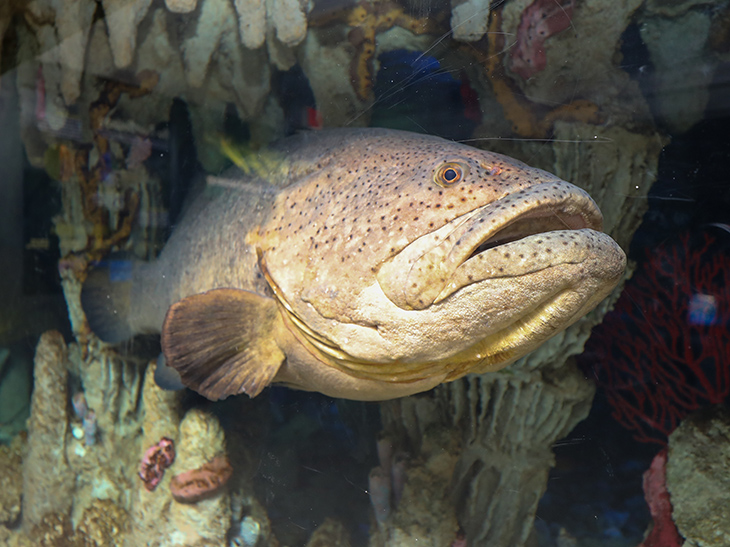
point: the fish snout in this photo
(510, 236)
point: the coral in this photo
(424, 513)
(97, 215)
(90, 428)
(63, 32)
(252, 22)
(248, 533)
(92, 498)
(327, 69)
(181, 6)
(204, 482)
(658, 367)
(618, 173)
(328, 534)
(591, 87)
(528, 119)
(663, 533)
(200, 441)
(250, 523)
(45, 492)
(11, 481)
(89, 175)
(674, 8)
(541, 20)
(386, 482)
(78, 402)
(288, 20)
(469, 19)
(366, 20)
(198, 50)
(103, 523)
(380, 493)
(53, 530)
(676, 47)
(122, 19)
(156, 459)
(697, 477)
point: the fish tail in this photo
(105, 298)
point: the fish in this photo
(365, 264)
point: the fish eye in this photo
(449, 174)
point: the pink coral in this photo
(201, 483)
(156, 459)
(541, 20)
(663, 533)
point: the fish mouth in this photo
(524, 232)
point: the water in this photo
(112, 120)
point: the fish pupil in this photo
(450, 174)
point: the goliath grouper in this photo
(370, 264)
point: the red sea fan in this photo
(665, 350)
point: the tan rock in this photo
(122, 19)
(181, 6)
(73, 24)
(201, 440)
(47, 479)
(198, 50)
(289, 20)
(11, 481)
(251, 21)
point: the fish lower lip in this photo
(535, 253)
(527, 226)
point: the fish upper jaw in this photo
(504, 238)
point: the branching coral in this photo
(367, 20)
(661, 353)
(89, 167)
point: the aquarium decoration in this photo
(464, 464)
(664, 531)
(674, 359)
(696, 476)
(201, 483)
(156, 459)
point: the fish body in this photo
(368, 264)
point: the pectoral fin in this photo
(221, 342)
